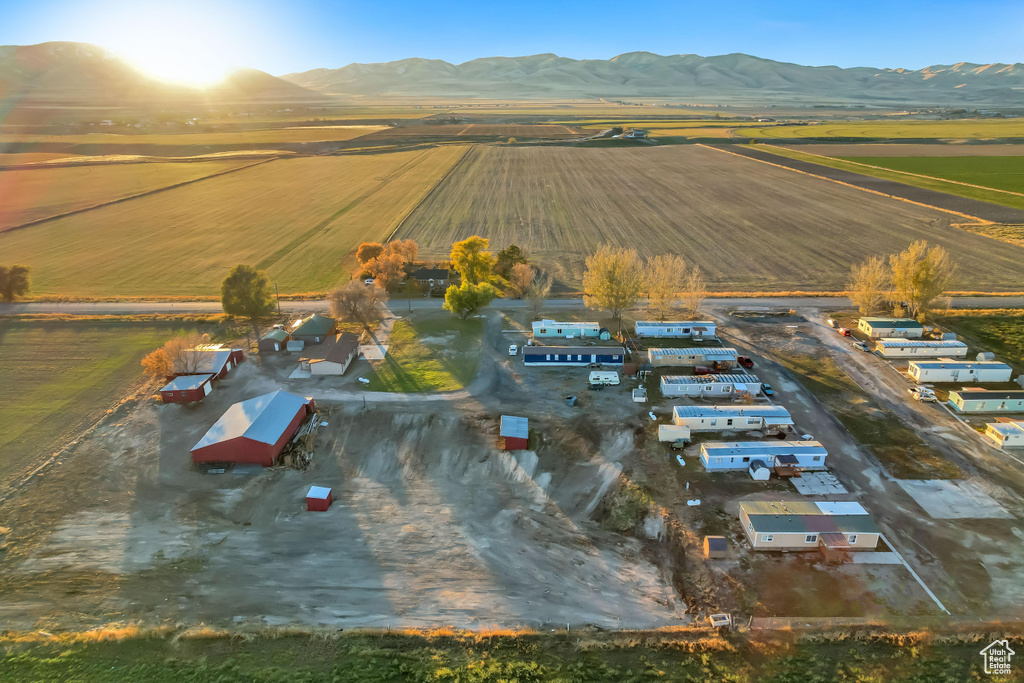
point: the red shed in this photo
(318, 499)
(187, 389)
(514, 432)
(254, 431)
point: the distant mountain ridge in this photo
(644, 74)
(72, 73)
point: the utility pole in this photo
(278, 299)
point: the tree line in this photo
(907, 283)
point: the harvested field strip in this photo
(28, 197)
(239, 138)
(898, 189)
(182, 242)
(961, 129)
(751, 226)
(60, 377)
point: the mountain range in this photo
(79, 73)
(643, 74)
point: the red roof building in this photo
(187, 389)
(514, 433)
(318, 499)
(254, 431)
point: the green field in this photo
(1001, 332)
(58, 378)
(583, 657)
(300, 219)
(428, 355)
(1004, 171)
(998, 172)
(905, 129)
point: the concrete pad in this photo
(875, 558)
(374, 351)
(818, 484)
(300, 373)
(943, 499)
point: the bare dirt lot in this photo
(749, 225)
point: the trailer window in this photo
(811, 538)
(852, 538)
(767, 538)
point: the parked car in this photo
(678, 445)
(923, 394)
(845, 332)
(745, 362)
(831, 323)
(701, 370)
(368, 281)
(860, 345)
(513, 350)
(767, 390)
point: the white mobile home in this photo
(971, 400)
(801, 525)
(725, 456)
(569, 330)
(877, 328)
(720, 418)
(917, 348)
(948, 370)
(709, 385)
(677, 329)
(689, 357)
(1006, 434)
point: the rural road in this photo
(399, 305)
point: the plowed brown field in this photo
(749, 225)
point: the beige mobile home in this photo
(917, 348)
(689, 357)
(877, 328)
(801, 525)
(739, 418)
(1006, 433)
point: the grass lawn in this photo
(895, 445)
(440, 353)
(1000, 331)
(998, 174)
(58, 378)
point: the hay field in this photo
(238, 138)
(60, 377)
(30, 194)
(958, 129)
(749, 225)
(300, 219)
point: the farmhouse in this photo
(573, 355)
(877, 328)
(187, 388)
(723, 456)
(314, 329)
(333, 356)
(720, 418)
(948, 370)
(976, 400)
(254, 431)
(676, 329)
(431, 277)
(799, 525)
(514, 433)
(689, 357)
(917, 348)
(275, 340)
(570, 330)
(1006, 433)
(709, 385)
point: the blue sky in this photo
(282, 37)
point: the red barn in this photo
(254, 431)
(187, 389)
(219, 361)
(514, 433)
(318, 499)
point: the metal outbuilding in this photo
(187, 388)
(319, 499)
(254, 431)
(715, 547)
(876, 328)
(275, 340)
(688, 357)
(565, 330)
(514, 433)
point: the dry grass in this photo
(299, 219)
(234, 138)
(750, 226)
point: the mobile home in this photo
(573, 355)
(917, 348)
(725, 456)
(801, 525)
(676, 329)
(568, 330)
(949, 370)
(877, 328)
(1006, 433)
(720, 418)
(689, 357)
(971, 400)
(709, 385)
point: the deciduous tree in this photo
(665, 275)
(919, 275)
(466, 299)
(180, 355)
(537, 293)
(246, 294)
(614, 281)
(472, 261)
(357, 303)
(407, 249)
(869, 285)
(519, 279)
(508, 257)
(368, 251)
(157, 364)
(386, 269)
(15, 281)
(695, 290)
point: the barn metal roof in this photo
(515, 427)
(921, 343)
(709, 379)
(214, 361)
(318, 492)
(262, 419)
(315, 325)
(187, 382)
(276, 334)
(890, 323)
